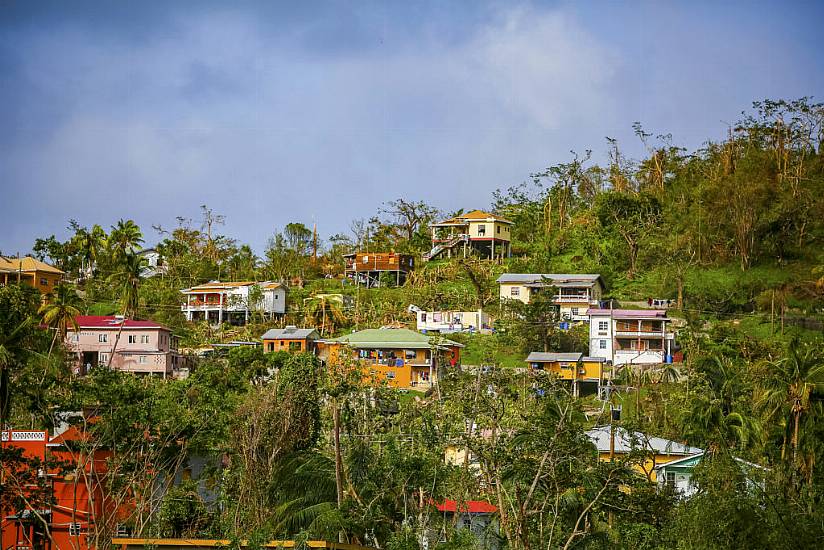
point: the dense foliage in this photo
(274, 445)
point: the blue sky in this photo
(272, 112)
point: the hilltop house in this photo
(402, 357)
(291, 339)
(574, 367)
(30, 271)
(630, 336)
(445, 322)
(574, 293)
(367, 269)
(232, 302)
(144, 347)
(656, 450)
(154, 263)
(485, 233)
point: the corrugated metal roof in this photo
(289, 333)
(548, 357)
(629, 313)
(558, 279)
(112, 322)
(628, 441)
(402, 338)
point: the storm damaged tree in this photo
(633, 216)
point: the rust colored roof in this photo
(470, 506)
(217, 285)
(26, 264)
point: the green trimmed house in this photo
(678, 474)
(401, 357)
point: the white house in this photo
(451, 321)
(574, 293)
(678, 474)
(630, 336)
(233, 302)
(154, 263)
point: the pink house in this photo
(144, 347)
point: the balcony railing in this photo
(644, 334)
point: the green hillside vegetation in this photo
(730, 233)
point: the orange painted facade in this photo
(29, 271)
(78, 503)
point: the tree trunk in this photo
(338, 460)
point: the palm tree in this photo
(59, 310)
(797, 381)
(125, 237)
(90, 244)
(325, 310)
(128, 278)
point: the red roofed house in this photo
(477, 515)
(69, 504)
(144, 347)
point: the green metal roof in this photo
(392, 338)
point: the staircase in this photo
(437, 249)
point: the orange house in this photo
(290, 338)
(78, 505)
(405, 359)
(30, 271)
(579, 370)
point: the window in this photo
(132, 339)
(515, 291)
(44, 282)
(103, 338)
(499, 229)
(671, 479)
(482, 230)
(295, 345)
(102, 357)
(144, 339)
(602, 344)
(74, 337)
(390, 375)
(575, 311)
(74, 529)
(410, 354)
(603, 325)
(423, 317)
(141, 359)
(271, 346)
(122, 530)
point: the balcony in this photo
(573, 299)
(645, 334)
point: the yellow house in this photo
(579, 370)
(486, 233)
(656, 450)
(290, 338)
(574, 293)
(30, 271)
(402, 357)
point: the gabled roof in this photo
(112, 322)
(626, 442)
(467, 506)
(629, 313)
(402, 338)
(551, 357)
(289, 333)
(474, 215)
(558, 279)
(212, 286)
(26, 264)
